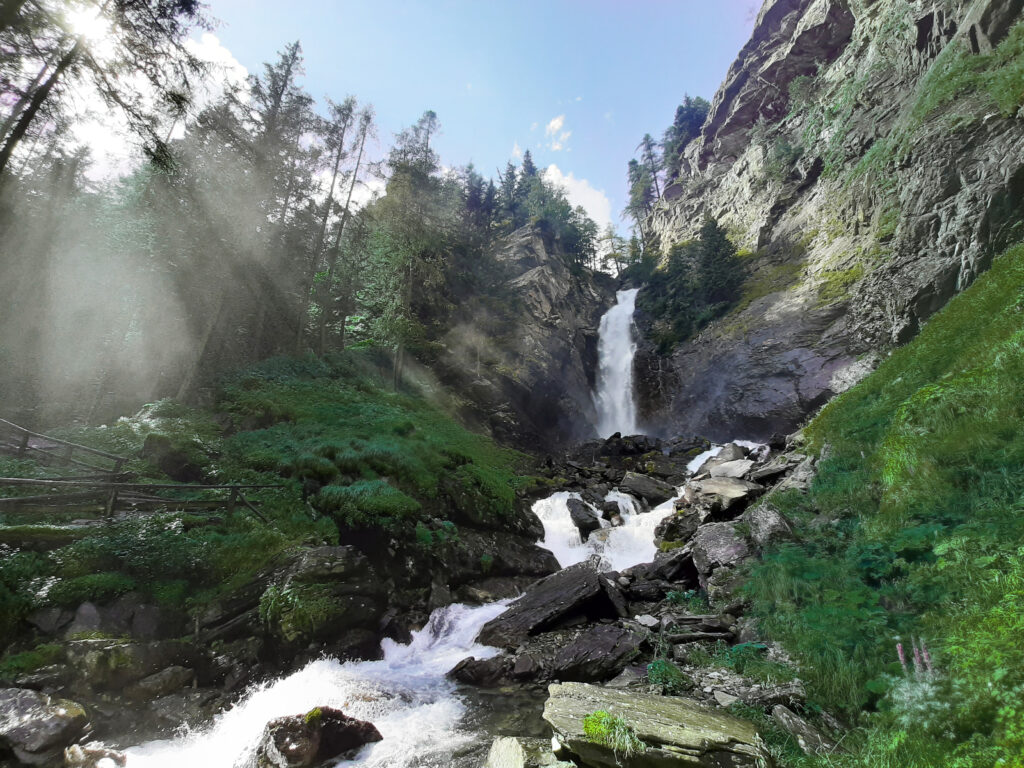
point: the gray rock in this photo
(597, 653)
(37, 727)
(675, 730)
(316, 564)
(716, 545)
(583, 517)
(573, 591)
(767, 525)
(161, 683)
(801, 477)
(736, 469)
(520, 752)
(482, 672)
(299, 741)
(811, 740)
(648, 488)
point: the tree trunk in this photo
(332, 261)
(23, 100)
(21, 127)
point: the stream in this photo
(426, 719)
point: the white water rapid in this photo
(406, 695)
(613, 397)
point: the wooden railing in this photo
(18, 441)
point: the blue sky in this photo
(576, 82)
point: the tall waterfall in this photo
(613, 398)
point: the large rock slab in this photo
(650, 489)
(574, 591)
(323, 733)
(716, 545)
(583, 517)
(676, 731)
(36, 727)
(598, 653)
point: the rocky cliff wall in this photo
(867, 156)
(521, 352)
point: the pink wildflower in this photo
(918, 666)
(927, 658)
(903, 657)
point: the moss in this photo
(835, 286)
(29, 661)
(314, 716)
(93, 587)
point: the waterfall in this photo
(613, 398)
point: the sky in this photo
(577, 82)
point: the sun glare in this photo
(89, 22)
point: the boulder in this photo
(678, 527)
(719, 494)
(716, 545)
(574, 591)
(597, 653)
(322, 734)
(767, 525)
(778, 465)
(161, 683)
(675, 731)
(36, 727)
(648, 488)
(583, 517)
(482, 672)
(800, 478)
(316, 564)
(175, 461)
(811, 740)
(104, 664)
(519, 752)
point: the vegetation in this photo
(698, 282)
(917, 541)
(612, 731)
(669, 677)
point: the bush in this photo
(664, 673)
(91, 588)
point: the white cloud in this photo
(557, 138)
(579, 98)
(366, 190)
(517, 151)
(594, 201)
(533, 126)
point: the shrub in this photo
(664, 673)
(93, 588)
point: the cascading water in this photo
(406, 695)
(613, 397)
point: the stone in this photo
(575, 590)
(481, 672)
(767, 525)
(525, 667)
(646, 620)
(676, 731)
(650, 489)
(316, 564)
(161, 683)
(800, 478)
(724, 699)
(811, 740)
(597, 653)
(105, 665)
(35, 727)
(583, 517)
(736, 469)
(716, 545)
(50, 621)
(519, 752)
(93, 755)
(323, 733)
(677, 527)
(776, 466)
(173, 460)
(731, 452)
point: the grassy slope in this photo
(389, 463)
(914, 530)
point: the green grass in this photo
(22, 663)
(919, 533)
(836, 285)
(612, 731)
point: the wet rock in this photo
(767, 525)
(323, 733)
(574, 591)
(597, 653)
(678, 527)
(35, 727)
(720, 494)
(811, 740)
(583, 517)
(103, 664)
(776, 466)
(93, 755)
(716, 545)
(50, 621)
(160, 684)
(520, 752)
(190, 707)
(481, 672)
(648, 488)
(525, 667)
(173, 460)
(675, 730)
(316, 564)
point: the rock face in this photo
(36, 727)
(863, 211)
(527, 375)
(675, 730)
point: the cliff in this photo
(867, 157)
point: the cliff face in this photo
(868, 158)
(521, 353)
